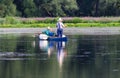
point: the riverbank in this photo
(67, 31)
(14, 22)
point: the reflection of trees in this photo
(81, 63)
(27, 68)
(95, 56)
(107, 55)
(4, 69)
(11, 43)
(7, 43)
(88, 57)
(24, 44)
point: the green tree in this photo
(19, 7)
(26, 8)
(7, 8)
(117, 6)
(69, 7)
(29, 8)
(57, 10)
(56, 7)
(107, 8)
(48, 8)
(96, 8)
(44, 7)
(2, 10)
(86, 7)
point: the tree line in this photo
(56, 8)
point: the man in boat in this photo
(60, 26)
(48, 32)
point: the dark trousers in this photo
(59, 32)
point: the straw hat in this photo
(48, 28)
(60, 19)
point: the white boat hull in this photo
(45, 37)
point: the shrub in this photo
(11, 20)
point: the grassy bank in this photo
(12, 22)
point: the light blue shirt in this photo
(60, 25)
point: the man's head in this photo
(48, 28)
(60, 20)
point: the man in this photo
(48, 32)
(60, 26)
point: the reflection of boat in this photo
(43, 45)
(45, 37)
(61, 53)
(46, 46)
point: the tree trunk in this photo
(96, 7)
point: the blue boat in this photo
(57, 39)
(49, 38)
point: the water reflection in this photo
(61, 53)
(46, 46)
(79, 57)
(49, 47)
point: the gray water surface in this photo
(82, 56)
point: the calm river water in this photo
(82, 56)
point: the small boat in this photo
(52, 38)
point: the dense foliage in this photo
(55, 8)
